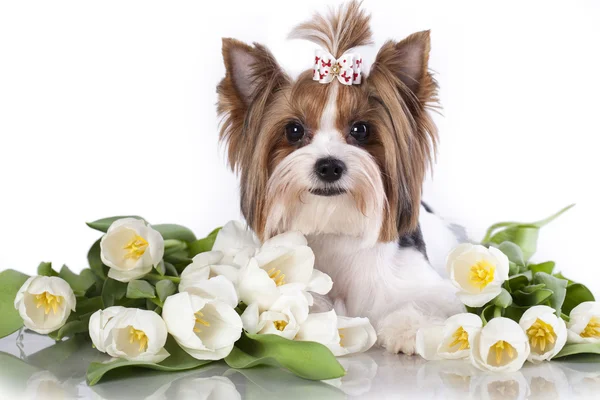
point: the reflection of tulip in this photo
(44, 385)
(342, 335)
(478, 272)
(546, 381)
(451, 379)
(360, 372)
(511, 386)
(584, 323)
(546, 332)
(449, 341)
(205, 329)
(44, 303)
(130, 248)
(501, 345)
(213, 388)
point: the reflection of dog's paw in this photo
(397, 332)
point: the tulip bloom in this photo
(234, 239)
(500, 346)
(584, 323)
(209, 279)
(130, 248)
(546, 332)
(130, 333)
(478, 272)
(283, 318)
(45, 303)
(449, 341)
(205, 329)
(342, 335)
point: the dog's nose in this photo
(330, 169)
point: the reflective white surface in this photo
(33, 366)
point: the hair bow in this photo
(346, 68)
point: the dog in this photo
(341, 155)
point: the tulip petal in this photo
(287, 239)
(427, 342)
(250, 318)
(358, 334)
(478, 300)
(217, 288)
(319, 282)
(322, 328)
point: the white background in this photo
(107, 108)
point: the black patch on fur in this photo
(414, 239)
(427, 208)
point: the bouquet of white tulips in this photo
(156, 297)
(517, 310)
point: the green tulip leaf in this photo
(164, 289)
(71, 328)
(112, 291)
(203, 245)
(95, 261)
(178, 360)
(103, 224)
(578, 348)
(524, 235)
(45, 269)
(576, 294)
(556, 285)
(518, 281)
(546, 267)
(79, 283)
(137, 289)
(174, 231)
(513, 268)
(308, 360)
(174, 245)
(514, 312)
(160, 268)
(487, 314)
(513, 252)
(533, 288)
(522, 298)
(170, 269)
(503, 300)
(10, 283)
(561, 276)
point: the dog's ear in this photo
(251, 76)
(408, 61)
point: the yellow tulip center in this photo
(592, 329)
(135, 248)
(501, 353)
(461, 339)
(280, 325)
(200, 321)
(541, 336)
(137, 336)
(482, 273)
(277, 276)
(48, 301)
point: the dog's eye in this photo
(360, 131)
(294, 132)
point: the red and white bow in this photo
(346, 68)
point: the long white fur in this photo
(395, 287)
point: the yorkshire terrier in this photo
(340, 156)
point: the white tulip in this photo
(546, 332)
(133, 334)
(342, 335)
(449, 341)
(45, 303)
(283, 318)
(205, 329)
(235, 238)
(584, 323)
(478, 272)
(97, 325)
(130, 248)
(207, 278)
(500, 346)
(284, 260)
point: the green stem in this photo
(497, 312)
(157, 277)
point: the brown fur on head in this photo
(257, 100)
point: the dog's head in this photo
(330, 158)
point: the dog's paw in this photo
(397, 332)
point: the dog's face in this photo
(330, 158)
